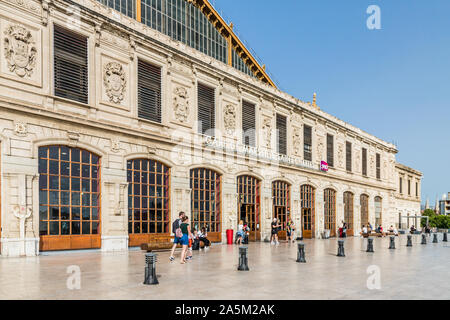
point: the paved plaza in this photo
(420, 272)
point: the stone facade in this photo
(108, 125)
(407, 198)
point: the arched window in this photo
(378, 211)
(249, 204)
(281, 193)
(206, 201)
(329, 200)
(348, 212)
(148, 199)
(69, 198)
(307, 202)
(364, 201)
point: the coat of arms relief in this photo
(297, 140)
(20, 50)
(267, 132)
(229, 118)
(114, 80)
(181, 104)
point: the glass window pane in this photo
(76, 227)
(54, 228)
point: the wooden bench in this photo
(162, 245)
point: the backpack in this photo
(176, 228)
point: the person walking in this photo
(177, 233)
(275, 227)
(290, 229)
(186, 230)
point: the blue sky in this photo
(393, 83)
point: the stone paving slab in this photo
(420, 272)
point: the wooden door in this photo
(307, 197)
(364, 202)
(69, 199)
(248, 214)
(248, 189)
(330, 211)
(348, 212)
(280, 214)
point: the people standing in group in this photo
(177, 233)
(275, 228)
(186, 230)
(290, 231)
(344, 230)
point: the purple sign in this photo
(323, 166)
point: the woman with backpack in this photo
(186, 230)
(178, 234)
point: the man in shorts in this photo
(275, 227)
(176, 225)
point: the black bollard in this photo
(435, 238)
(341, 252)
(369, 245)
(150, 269)
(424, 238)
(445, 237)
(243, 260)
(409, 242)
(301, 253)
(392, 243)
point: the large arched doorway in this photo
(69, 198)
(206, 202)
(348, 212)
(378, 212)
(281, 193)
(307, 203)
(249, 204)
(364, 202)
(148, 201)
(329, 200)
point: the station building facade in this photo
(117, 115)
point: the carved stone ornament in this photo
(20, 50)
(114, 80)
(115, 145)
(181, 104)
(341, 155)
(372, 164)
(320, 147)
(267, 132)
(20, 128)
(297, 141)
(358, 161)
(229, 118)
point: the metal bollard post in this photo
(369, 245)
(424, 238)
(445, 237)
(341, 252)
(392, 243)
(435, 238)
(150, 269)
(409, 242)
(243, 259)
(301, 253)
